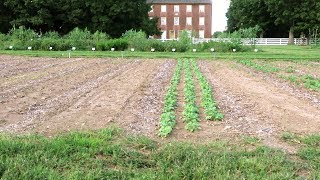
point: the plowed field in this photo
(50, 95)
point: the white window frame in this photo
(164, 34)
(163, 8)
(151, 8)
(202, 8)
(189, 21)
(201, 21)
(189, 8)
(201, 34)
(176, 8)
(176, 21)
(163, 21)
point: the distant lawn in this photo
(265, 52)
(111, 154)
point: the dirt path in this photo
(141, 113)
(97, 109)
(266, 109)
(30, 110)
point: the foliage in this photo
(111, 17)
(258, 67)
(168, 117)
(207, 101)
(191, 111)
(275, 17)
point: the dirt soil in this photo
(50, 96)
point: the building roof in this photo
(179, 1)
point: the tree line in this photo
(113, 17)
(276, 18)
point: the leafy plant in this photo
(191, 111)
(207, 100)
(168, 116)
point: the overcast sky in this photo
(219, 10)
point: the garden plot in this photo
(200, 100)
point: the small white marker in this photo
(194, 50)
(29, 48)
(50, 48)
(212, 49)
(234, 50)
(173, 50)
(112, 49)
(152, 50)
(74, 48)
(93, 49)
(132, 49)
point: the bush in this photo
(220, 46)
(137, 40)
(119, 45)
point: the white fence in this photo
(259, 41)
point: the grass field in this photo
(111, 154)
(97, 115)
(265, 52)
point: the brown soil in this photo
(50, 96)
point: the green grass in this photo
(266, 52)
(111, 154)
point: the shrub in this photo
(136, 39)
(119, 45)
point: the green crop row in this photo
(207, 100)
(168, 116)
(191, 111)
(258, 67)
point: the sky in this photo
(219, 10)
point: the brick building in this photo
(195, 16)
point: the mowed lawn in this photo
(264, 52)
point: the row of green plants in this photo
(191, 110)
(168, 116)
(207, 100)
(22, 38)
(308, 81)
(258, 67)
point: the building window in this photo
(163, 21)
(151, 9)
(163, 8)
(189, 33)
(189, 21)
(172, 34)
(189, 8)
(201, 21)
(176, 8)
(176, 21)
(201, 8)
(201, 34)
(164, 35)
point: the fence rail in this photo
(259, 41)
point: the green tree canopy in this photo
(275, 17)
(111, 16)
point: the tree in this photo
(5, 18)
(246, 14)
(275, 17)
(111, 16)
